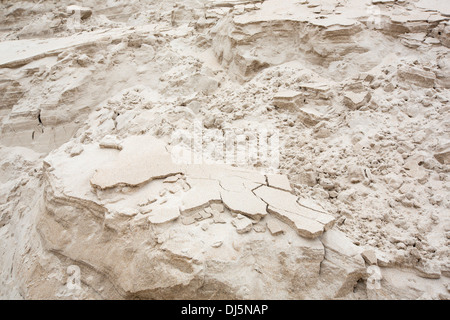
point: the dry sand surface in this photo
(225, 149)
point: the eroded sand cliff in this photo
(224, 149)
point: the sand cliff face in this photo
(224, 150)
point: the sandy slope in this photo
(353, 203)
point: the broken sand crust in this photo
(161, 210)
(356, 92)
(135, 167)
(144, 159)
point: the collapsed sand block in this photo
(421, 78)
(145, 239)
(244, 202)
(305, 227)
(369, 257)
(10, 93)
(307, 222)
(443, 154)
(337, 245)
(354, 101)
(163, 215)
(275, 227)
(202, 193)
(110, 142)
(242, 224)
(308, 114)
(307, 92)
(84, 12)
(129, 174)
(287, 99)
(312, 115)
(279, 181)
